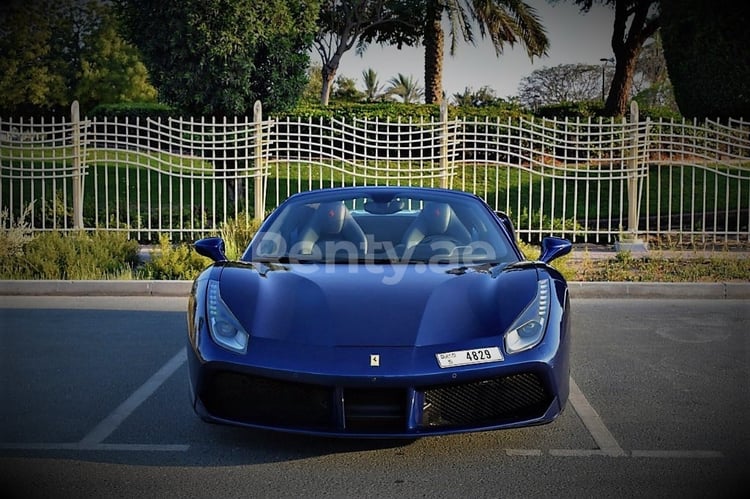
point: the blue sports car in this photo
(380, 312)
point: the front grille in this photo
(276, 403)
(493, 401)
(375, 410)
(257, 400)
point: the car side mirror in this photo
(553, 248)
(211, 247)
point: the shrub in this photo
(75, 256)
(170, 261)
(237, 234)
(562, 264)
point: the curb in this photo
(581, 290)
(95, 288)
(674, 290)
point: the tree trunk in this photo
(433, 54)
(632, 27)
(622, 83)
(327, 76)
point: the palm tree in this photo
(373, 90)
(406, 88)
(504, 21)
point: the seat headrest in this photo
(436, 217)
(331, 217)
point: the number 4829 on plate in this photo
(468, 357)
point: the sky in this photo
(574, 38)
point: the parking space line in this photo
(107, 426)
(577, 452)
(672, 454)
(593, 423)
(523, 452)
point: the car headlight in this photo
(528, 329)
(224, 327)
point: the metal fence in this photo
(593, 180)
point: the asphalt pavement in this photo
(96, 404)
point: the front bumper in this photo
(380, 403)
(502, 402)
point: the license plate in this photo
(468, 357)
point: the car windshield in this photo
(382, 228)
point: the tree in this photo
(344, 23)
(30, 76)
(373, 90)
(483, 97)
(652, 86)
(112, 72)
(217, 57)
(51, 51)
(346, 90)
(503, 21)
(707, 46)
(311, 93)
(562, 83)
(635, 22)
(406, 88)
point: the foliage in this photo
(503, 21)
(707, 46)
(540, 219)
(217, 57)
(112, 72)
(351, 110)
(635, 22)
(314, 85)
(237, 234)
(79, 255)
(346, 90)
(405, 88)
(31, 77)
(14, 233)
(652, 86)
(344, 23)
(580, 109)
(484, 97)
(398, 110)
(170, 261)
(143, 110)
(562, 264)
(373, 91)
(563, 83)
(658, 268)
(53, 52)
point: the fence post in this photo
(631, 242)
(444, 144)
(259, 193)
(75, 118)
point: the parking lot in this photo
(95, 402)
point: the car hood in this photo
(400, 305)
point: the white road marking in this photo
(593, 423)
(523, 452)
(106, 427)
(577, 452)
(672, 454)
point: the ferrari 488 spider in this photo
(380, 312)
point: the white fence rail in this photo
(591, 180)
